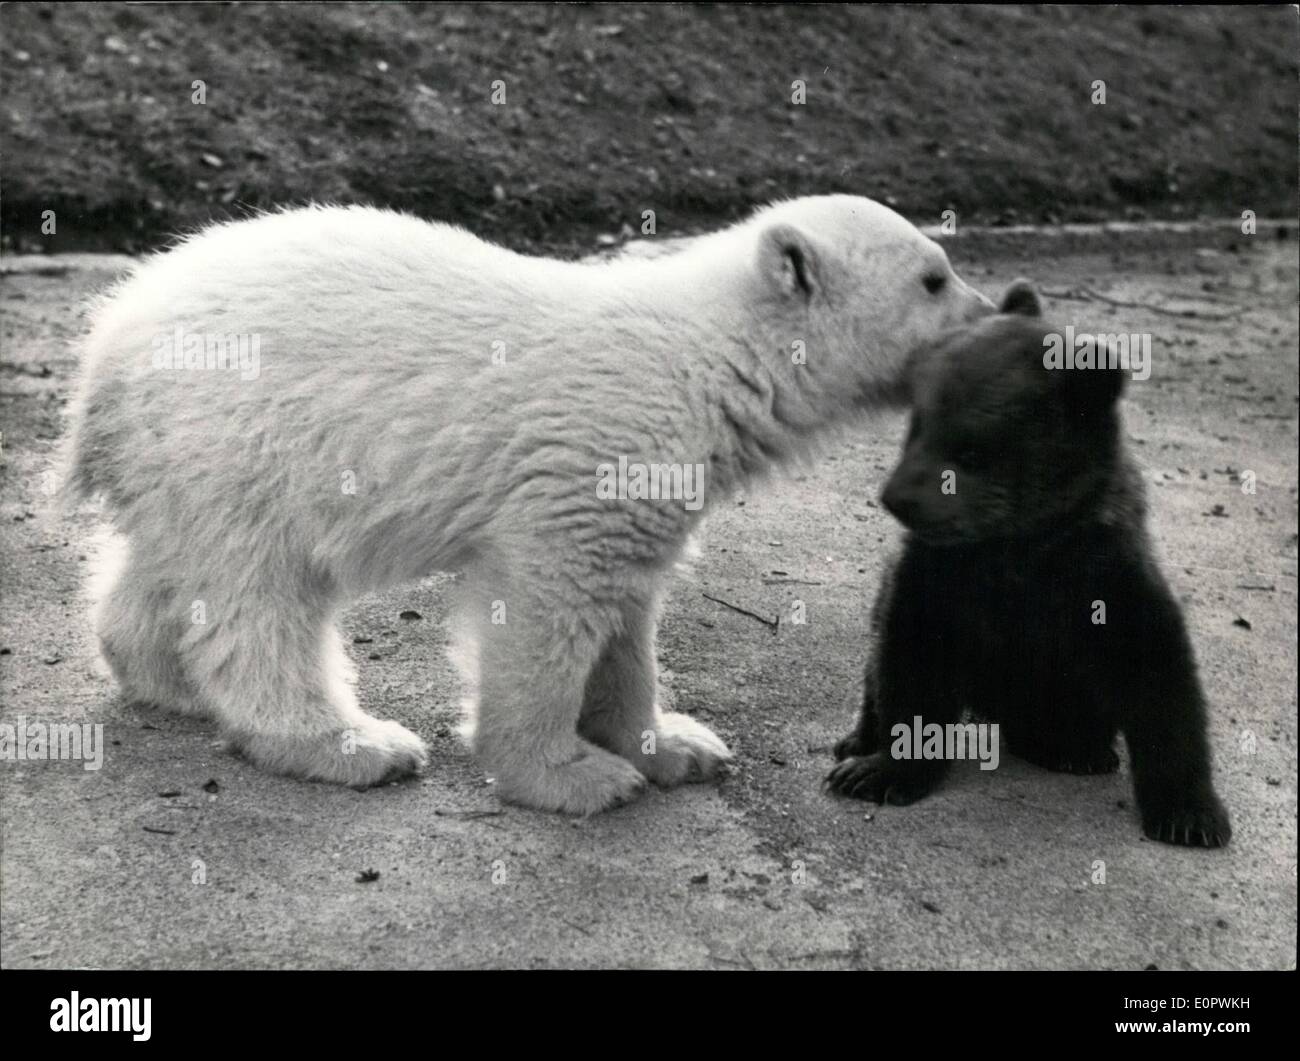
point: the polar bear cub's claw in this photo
(370, 751)
(685, 751)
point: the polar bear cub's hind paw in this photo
(369, 752)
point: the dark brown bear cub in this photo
(1026, 591)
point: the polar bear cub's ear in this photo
(1021, 297)
(788, 261)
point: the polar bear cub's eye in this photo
(934, 282)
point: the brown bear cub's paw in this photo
(854, 745)
(879, 778)
(1199, 822)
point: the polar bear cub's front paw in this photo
(591, 781)
(682, 751)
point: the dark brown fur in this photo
(991, 606)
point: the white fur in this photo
(377, 336)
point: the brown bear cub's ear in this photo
(789, 261)
(1094, 391)
(1022, 298)
(1110, 381)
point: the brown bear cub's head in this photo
(1000, 445)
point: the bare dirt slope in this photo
(996, 870)
(610, 110)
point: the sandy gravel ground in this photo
(997, 870)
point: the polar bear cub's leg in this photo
(536, 645)
(139, 619)
(619, 710)
(274, 670)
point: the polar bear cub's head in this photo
(860, 287)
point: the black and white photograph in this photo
(535, 486)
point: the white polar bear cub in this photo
(287, 412)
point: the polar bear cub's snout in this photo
(425, 401)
